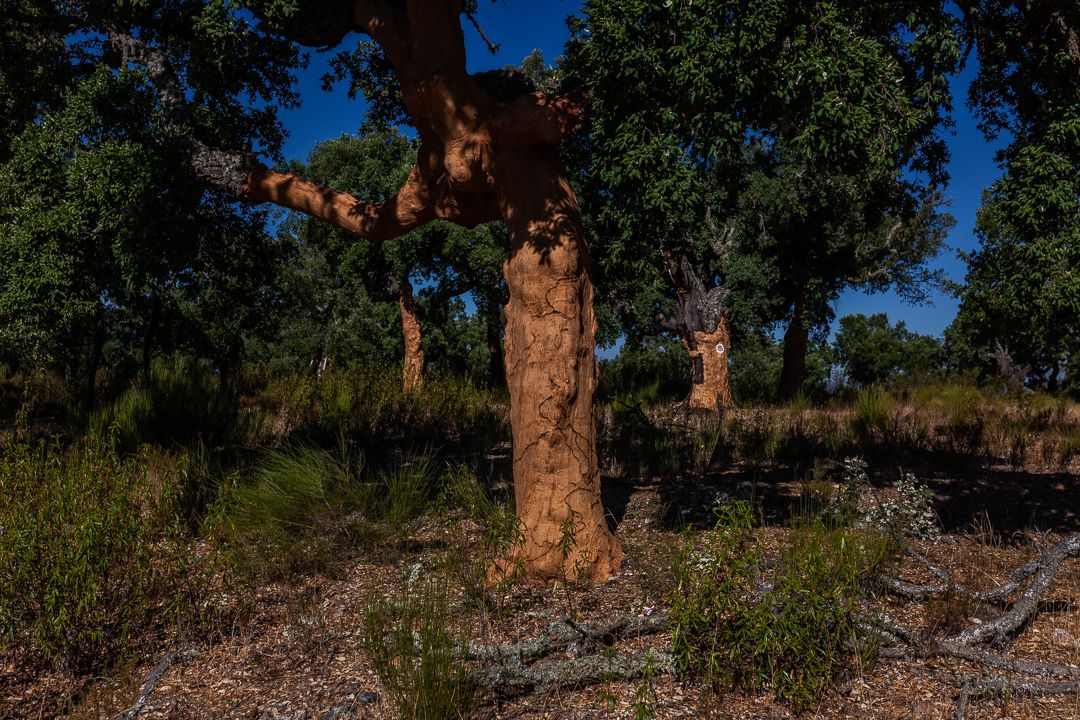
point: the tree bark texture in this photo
(796, 340)
(701, 320)
(710, 388)
(412, 367)
(551, 372)
(484, 154)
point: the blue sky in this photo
(519, 27)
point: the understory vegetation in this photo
(161, 518)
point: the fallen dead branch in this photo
(969, 644)
(591, 650)
(972, 688)
(152, 680)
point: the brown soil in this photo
(299, 653)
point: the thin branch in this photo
(152, 680)
(493, 48)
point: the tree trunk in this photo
(412, 369)
(551, 373)
(487, 150)
(710, 388)
(96, 351)
(796, 340)
(496, 359)
(149, 337)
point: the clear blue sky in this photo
(519, 26)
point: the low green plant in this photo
(965, 421)
(731, 628)
(369, 406)
(182, 401)
(407, 487)
(294, 509)
(87, 549)
(872, 414)
(415, 650)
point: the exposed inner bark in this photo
(551, 372)
(701, 320)
(412, 367)
(710, 388)
(482, 157)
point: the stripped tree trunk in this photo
(487, 151)
(412, 368)
(551, 372)
(701, 320)
(710, 388)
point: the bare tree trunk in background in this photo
(412, 368)
(710, 387)
(796, 340)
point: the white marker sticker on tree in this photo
(719, 348)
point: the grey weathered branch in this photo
(566, 632)
(153, 679)
(575, 672)
(1021, 612)
(975, 688)
(224, 169)
(529, 665)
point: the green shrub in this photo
(416, 653)
(298, 502)
(182, 402)
(965, 422)
(871, 419)
(86, 547)
(407, 488)
(370, 407)
(301, 503)
(731, 629)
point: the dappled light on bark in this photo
(710, 388)
(551, 371)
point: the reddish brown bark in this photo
(412, 367)
(551, 371)
(483, 159)
(710, 388)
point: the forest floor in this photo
(298, 652)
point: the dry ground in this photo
(297, 653)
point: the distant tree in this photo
(743, 163)
(649, 369)
(871, 350)
(449, 260)
(1021, 299)
(108, 239)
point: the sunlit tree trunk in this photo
(551, 372)
(710, 388)
(412, 368)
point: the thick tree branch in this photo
(240, 173)
(538, 118)
(377, 221)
